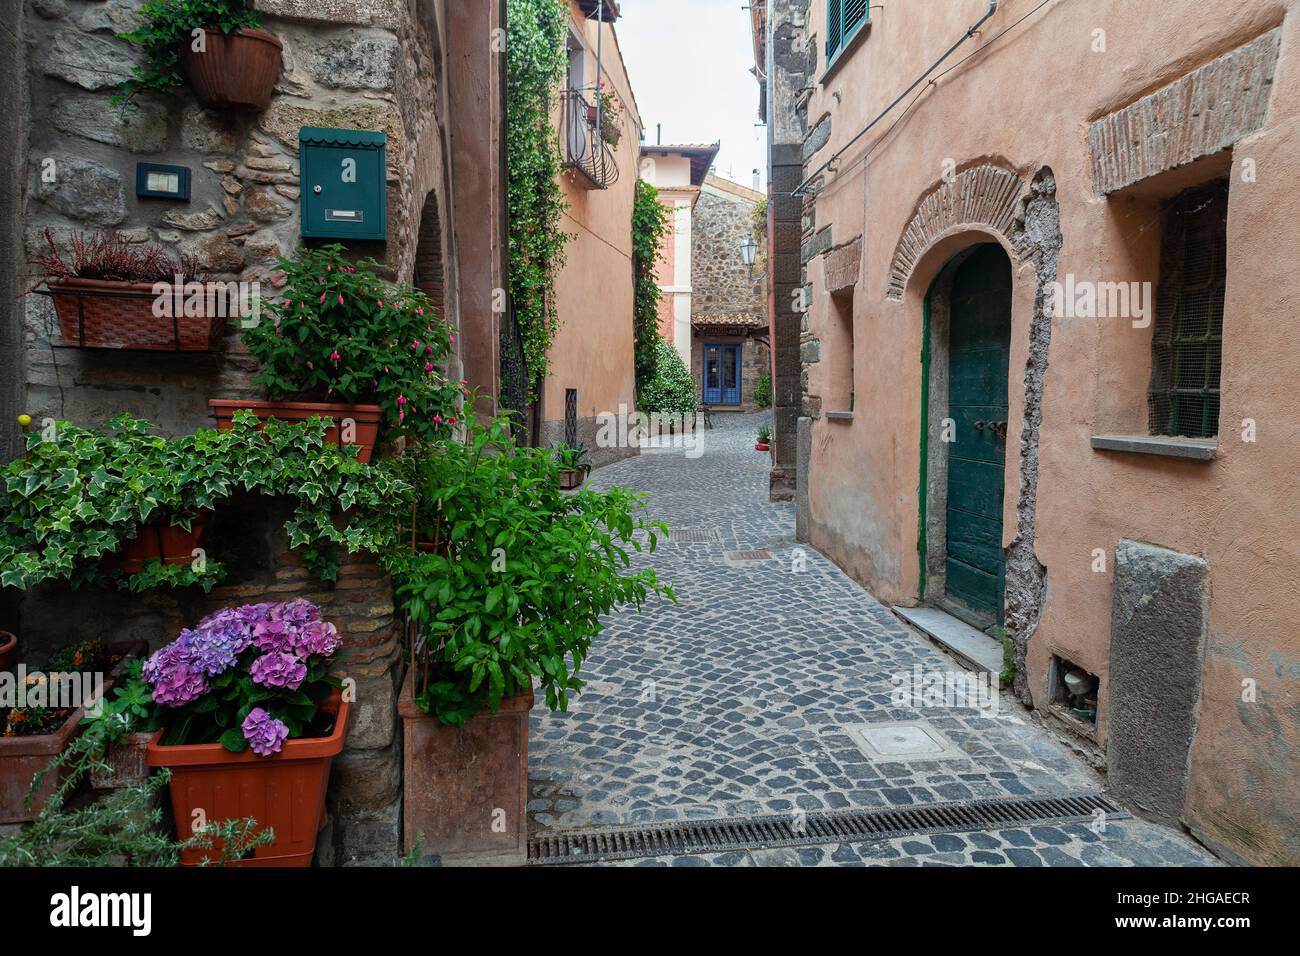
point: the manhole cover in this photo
(754, 554)
(906, 740)
(693, 535)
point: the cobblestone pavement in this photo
(737, 700)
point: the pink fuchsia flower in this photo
(428, 366)
(437, 419)
(265, 734)
(322, 296)
(334, 357)
(278, 670)
(420, 311)
(381, 302)
(401, 399)
(340, 298)
(451, 420)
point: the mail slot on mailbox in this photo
(343, 177)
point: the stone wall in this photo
(721, 284)
(376, 65)
(356, 70)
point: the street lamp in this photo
(748, 252)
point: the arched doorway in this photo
(968, 319)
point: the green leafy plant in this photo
(521, 573)
(536, 57)
(764, 434)
(650, 227)
(340, 333)
(763, 391)
(672, 390)
(74, 498)
(168, 24)
(572, 457)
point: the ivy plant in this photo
(536, 58)
(169, 24)
(513, 590)
(340, 333)
(78, 493)
(650, 227)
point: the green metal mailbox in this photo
(343, 179)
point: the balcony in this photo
(584, 146)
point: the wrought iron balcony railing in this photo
(584, 145)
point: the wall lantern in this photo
(748, 252)
(344, 174)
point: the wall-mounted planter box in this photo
(21, 758)
(365, 419)
(457, 777)
(160, 539)
(97, 314)
(285, 792)
(236, 71)
(344, 173)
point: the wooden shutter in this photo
(834, 27)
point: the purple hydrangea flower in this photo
(278, 670)
(175, 678)
(273, 636)
(264, 733)
(319, 638)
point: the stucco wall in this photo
(1235, 512)
(593, 350)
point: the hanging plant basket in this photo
(100, 314)
(235, 71)
(285, 792)
(365, 419)
(161, 539)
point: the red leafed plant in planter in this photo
(250, 720)
(107, 295)
(340, 333)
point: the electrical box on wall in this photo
(343, 183)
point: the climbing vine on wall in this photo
(649, 230)
(536, 58)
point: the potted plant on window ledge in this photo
(764, 438)
(344, 345)
(214, 44)
(512, 605)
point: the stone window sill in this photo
(839, 416)
(1196, 449)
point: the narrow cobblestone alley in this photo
(737, 700)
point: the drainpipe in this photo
(993, 8)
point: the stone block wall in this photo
(359, 64)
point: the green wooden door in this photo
(978, 357)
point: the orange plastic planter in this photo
(285, 792)
(365, 417)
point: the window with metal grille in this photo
(1187, 347)
(844, 18)
(570, 417)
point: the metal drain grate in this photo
(843, 826)
(754, 554)
(693, 535)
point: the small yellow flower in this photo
(24, 420)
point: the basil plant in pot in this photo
(509, 600)
(344, 344)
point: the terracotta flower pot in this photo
(285, 792)
(22, 757)
(366, 418)
(8, 650)
(235, 71)
(573, 477)
(456, 778)
(99, 314)
(160, 539)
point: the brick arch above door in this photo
(985, 195)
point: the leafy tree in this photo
(672, 390)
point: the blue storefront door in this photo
(721, 374)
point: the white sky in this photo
(689, 63)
